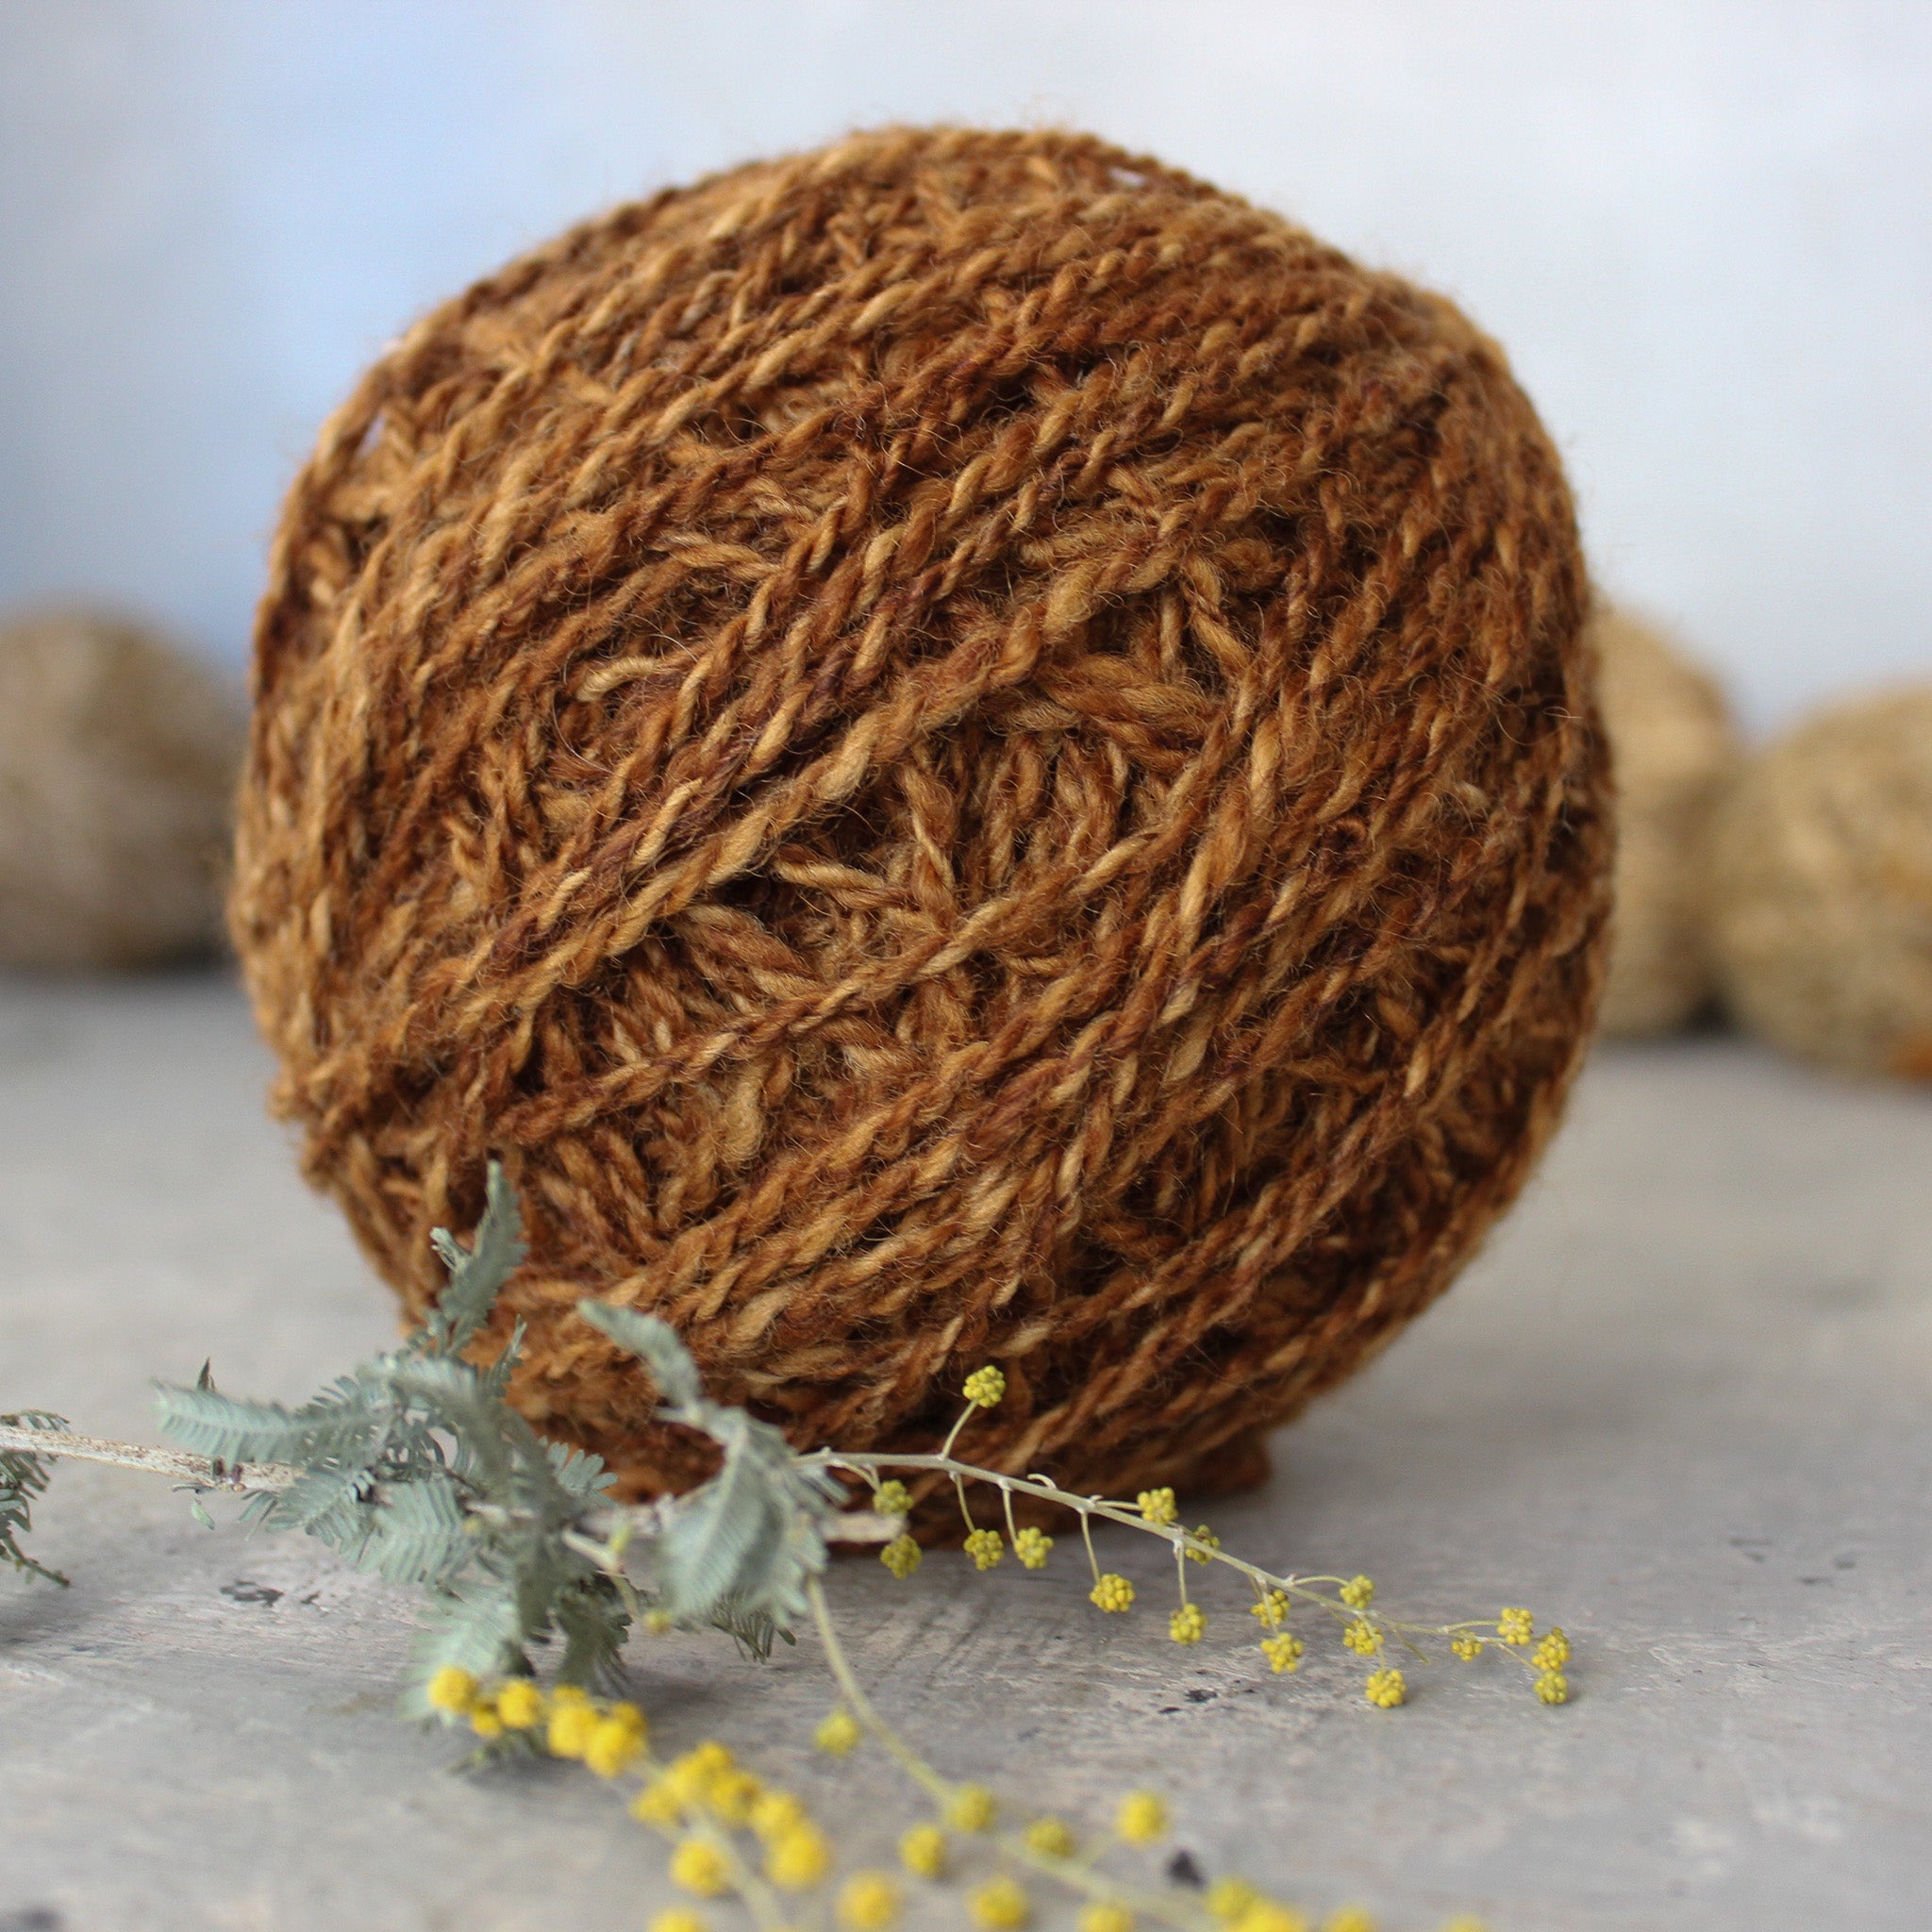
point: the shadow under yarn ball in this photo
(1822, 888)
(1675, 749)
(959, 749)
(118, 757)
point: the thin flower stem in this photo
(1129, 1517)
(766, 1906)
(914, 1766)
(1075, 1874)
(254, 1478)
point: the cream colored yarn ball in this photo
(1821, 874)
(1674, 748)
(118, 757)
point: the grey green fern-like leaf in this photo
(24, 1476)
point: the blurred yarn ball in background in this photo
(1674, 749)
(118, 758)
(1822, 888)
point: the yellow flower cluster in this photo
(606, 1737)
(1515, 1627)
(1105, 1915)
(1272, 1610)
(1032, 1547)
(892, 1498)
(922, 1850)
(1229, 1897)
(902, 1557)
(1466, 1647)
(986, 1386)
(971, 1809)
(1385, 1688)
(1236, 1904)
(1000, 1904)
(867, 1901)
(1159, 1508)
(706, 1788)
(838, 1733)
(676, 1920)
(1553, 1686)
(1553, 1652)
(1141, 1819)
(1188, 1624)
(1201, 1545)
(1362, 1638)
(1350, 1918)
(1050, 1838)
(986, 1547)
(1358, 1593)
(1111, 1593)
(1284, 1653)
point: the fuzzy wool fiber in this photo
(1675, 748)
(1822, 888)
(118, 759)
(959, 749)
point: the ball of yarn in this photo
(118, 758)
(959, 749)
(1674, 749)
(1821, 862)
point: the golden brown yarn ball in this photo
(1822, 888)
(118, 758)
(1675, 748)
(959, 749)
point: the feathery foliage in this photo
(24, 1476)
(414, 1466)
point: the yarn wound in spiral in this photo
(1675, 748)
(959, 749)
(118, 758)
(1822, 888)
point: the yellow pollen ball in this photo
(798, 1860)
(450, 1688)
(1269, 1915)
(973, 1809)
(1050, 1838)
(838, 1733)
(777, 1813)
(1229, 1898)
(572, 1727)
(613, 1745)
(520, 1705)
(1000, 1906)
(867, 1901)
(922, 1850)
(699, 1866)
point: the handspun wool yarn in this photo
(118, 761)
(957, 749)
(1822, 888)
(1674, 748)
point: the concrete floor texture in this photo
(1683, 1405)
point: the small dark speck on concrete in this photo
(1814, 1580)
(1844, 1562)
(1182, 1870)
(1200, 1696)
(243, 1592)
(32, 1919)
(1169, 1709)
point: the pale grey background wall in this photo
(1702, 229)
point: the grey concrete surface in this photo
(1684, 1405)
